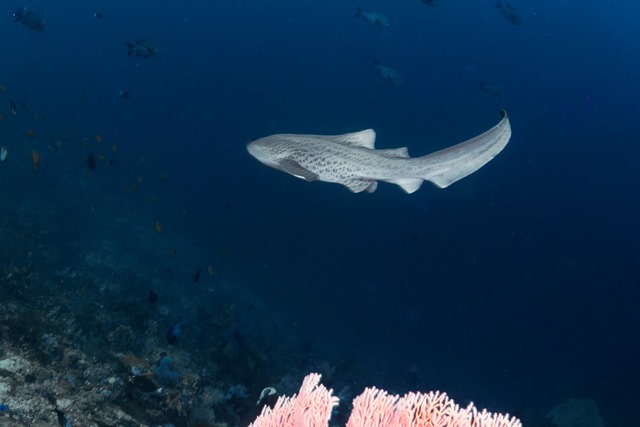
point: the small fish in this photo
(98, 137)
(210, 270)
(112, 162)
(35, 159)
(124, 95)
(31, 133)
(3, 154)
(267, 391)
(387, 73)
(492, 89)
(114, 148)
(91, 162)
(29, 18)
(153, 297)
(196, 277)
(173, 333)
(143, 47)
(98, 15)
(430, 2)
(14, 109)
(374, 18)
(2, 117)
(508, 11)
(173, 252)
(158, 224)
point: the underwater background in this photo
(517, 288)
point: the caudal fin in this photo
(447, 166)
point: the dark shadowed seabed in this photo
(516, 288)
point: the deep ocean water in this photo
(516, 288)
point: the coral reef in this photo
(82, 345)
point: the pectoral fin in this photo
(294, 168)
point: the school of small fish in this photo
(393, 76)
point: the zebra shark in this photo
(352, 160)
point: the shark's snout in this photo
(256, 149)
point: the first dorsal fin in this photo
(365, 139)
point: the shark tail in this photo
(447, 166)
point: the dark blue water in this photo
(517, 287)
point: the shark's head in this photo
(285, 152)
(266, 151)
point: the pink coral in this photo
(376, 408)
(310, 408)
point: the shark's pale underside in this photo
(352, 160)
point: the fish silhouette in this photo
(196, 277)
(372, 17)
(143, 47)
(510, 12)
(29, 18)
(91, 162)
(153, 297)
(387, 73)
